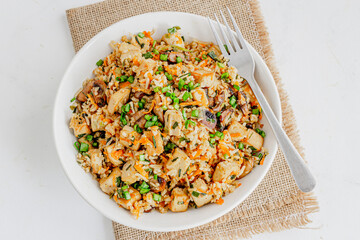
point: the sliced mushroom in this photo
(97, 88)
(242, 101)
(208, 118)
(141, 122)
(139, 94)
(219, 99)
(173, 55)
(210, 99)
(249, 165)
(139, 114)
(226, 116)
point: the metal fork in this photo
(240, 57)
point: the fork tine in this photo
(227, 42)
(236, 45)
(241, 39)
(218, 40)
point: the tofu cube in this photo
(224, 169)
(108, 184)
(173, 122)
(96, 159)
(130, 138)
(135, 196)
(180, 200)
(98, 123)
(78, 124)
(254, 139)
(128, 173)
(179, 164)
(118, 99)
(200, 187)
(114, 153)
(237, 131)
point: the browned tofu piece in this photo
(135, 196)
(155, 144)
(96, 159)
(178, 166)
(118, 99)
(237, 131)
(180, 200)
(206, 79)
(128, 173)
(200, 187)
(108, 184)
(130, 138)
(78, 124)
(224, 169)
(98, 123)
(114, 153)
(254, 139)
(173, 122)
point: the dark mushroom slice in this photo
(141, 122)
(139, 94)
(211, 100)
(219, 99)
(242, 101)
(139, 114)
(207, 118)
(173, 55)
(226, 116)
(97, 88)
(249, 165)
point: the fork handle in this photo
(301, 173)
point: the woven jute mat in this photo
(277, 203)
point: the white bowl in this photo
(81, 68)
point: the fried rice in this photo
(166, 124)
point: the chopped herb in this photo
(175, 159)
(124, 187)
(127, 108)
(236, 87)
(195, 194)
(187, 122)
(219, 135)
(232, 177)
(142, 157)
(118, 181)
(156, 89)
(154, 141)
(100, 62)
(260, 156)
(141, 35)
(84, 147)
(164, 107)
(218, 114)
(147, 55)
(169, 146)
(155, 176)
(178, 59)
(212, 135)
(175, 125)
(179, 172)
(226, 48)
(213, 56)
(211, 145)
(141, 44)
(73, 99)
(212, 140)
(204, 56)
(122, 78)
(141, 105)
(241, 146)
(144, 190)
(165, 89)
(197, 59)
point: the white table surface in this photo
(316, 44)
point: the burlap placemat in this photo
(277, 203)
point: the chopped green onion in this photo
(191, 85)
(156, 197)
(237, 87)
(142, 157)
(187, 122)
(141, 44)
(124, 187)
(77, 145)
(226, 48)
(126, 195)
(195, 113)
(155, 51)
(141, 105)
(196, 85)
(173, 29)
(123, 78)
(260, 156)
(218, 114)
(212, 135)
(73, 99)
(168, 76)
(213, 56)
(183, 114)
(226, 156)
(178, 59)
(175, 125)
(130, 79)
(147, 55)
(204, 56)
(220, 65)
(256, 111)
(149, 124)
(261, 132)
(147, 117)
(127, 108)
(155, 176)
(144, 185)
(181, 84)
(225, 75)
(163, 57)
(84, 147)
(95, 144)
(100, 62)
(156, 89)
(141, 35)
(164, 107)
(197, 59)
(212, 140)
(137, 128)
(241, 146)
(186, 96)
(154, 118)
(165, 89)
(232, 101)
(219, 134)
(89, 137)
(144, 190)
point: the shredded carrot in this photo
(151, 107)
(136, 62)
(92, 101)
(262, 161)
(190, 103)
(138, 167)
(126, 140)
(144, 140)
(197, 154)
(235, 135)
(224, 148)
(124, 84)
(220, 201)
(117, 154)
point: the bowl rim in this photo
(184, 226)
